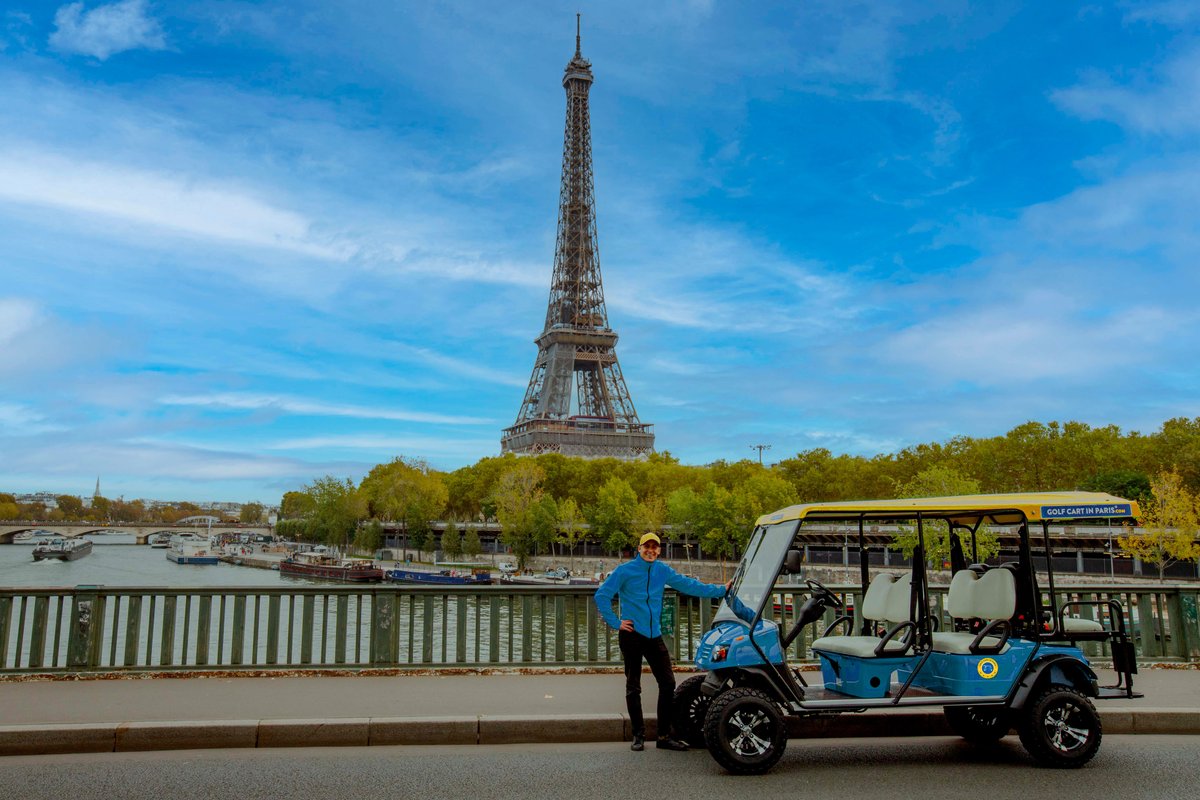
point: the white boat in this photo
(188, 548)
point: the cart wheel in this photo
(979, 724)
(1061, 728)
(688, 711)
(744, 731)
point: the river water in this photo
(116, 560)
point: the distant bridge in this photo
(141, 530)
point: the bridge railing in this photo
(151, 629)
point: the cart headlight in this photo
(719, 653)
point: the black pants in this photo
(635, 647)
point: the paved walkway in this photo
(189, 712)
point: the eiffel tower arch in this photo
(577, 402)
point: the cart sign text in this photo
(1070, 512)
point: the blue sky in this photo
(249, 244)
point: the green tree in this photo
(369, 537)
(452, 549)
(252, 513)
(1169, 525)
(408, 491)
(570, 526)
(337, 509)
(471, 546)
(940, 481)
(545, 524)
(295, 505)
(1130, 484)
(518, 491)
(613, 514)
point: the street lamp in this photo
(760, 448)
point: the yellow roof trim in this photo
(1005, 508)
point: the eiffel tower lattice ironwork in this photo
(577, 402)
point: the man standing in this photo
(639, 584)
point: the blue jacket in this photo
(640, 586)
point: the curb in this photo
(46, 739)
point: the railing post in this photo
(87, 623)
(560, 625)
(37, 637)
(133, 630)
(383, 627)
(1191, 623)
(527, 627)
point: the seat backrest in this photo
(961, 593)
(874, 605)
(995, 595)
(899, 600)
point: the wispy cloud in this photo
(1165, 102)
(106, 29)
(252, 402)
(176, 203)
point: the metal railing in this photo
(102, 629)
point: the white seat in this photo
(887, 600)
(1080, 625)
(991, 596)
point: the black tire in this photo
(688, 711)
(979, 724)
(744, 731)
(1061, 728)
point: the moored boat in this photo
(326, 567)
(444, 577)
(62, 549)
(191, 549)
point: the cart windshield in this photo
(756, 574)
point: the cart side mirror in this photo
(794, 562)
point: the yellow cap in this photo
(649, 537)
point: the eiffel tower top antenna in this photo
(577, 402)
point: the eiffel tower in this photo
(576, 358)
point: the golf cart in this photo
(1006, 655)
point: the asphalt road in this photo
(937, 768)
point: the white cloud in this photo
(19, 420)
(256, 402)
(106, 30)
(169, 201)
(1167, 104)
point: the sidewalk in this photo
(56, 716)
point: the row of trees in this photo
(544, 501)
(71, 508)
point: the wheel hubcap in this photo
(751, 731)
(1063, 729)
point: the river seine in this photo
(117, 561)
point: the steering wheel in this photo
(821, 592)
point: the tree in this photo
(369, 537)
(545, 524)
(295, 505)
(451, 543)
(408, 491)
(721, 521)
(252, 513)
(1169, 525)
(612, 515)
(517, 492)
(8, 507)
(570, 526)
(471, 546)
(941, 481)
(337, 509)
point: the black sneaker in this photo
(667, 743)
(639, 743)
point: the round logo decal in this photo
(988, 668)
